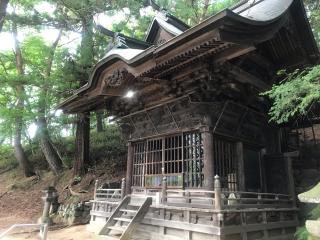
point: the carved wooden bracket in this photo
(116, 78)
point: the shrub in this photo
(301, 234)
(7, 158)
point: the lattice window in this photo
(153, 162)
(139, 156)
(173, 160)
(178, 157)
(225, 163)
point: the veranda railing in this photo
(199, 198)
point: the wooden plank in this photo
(257, 227)
(182, 225)
(123, 219)
(129, 210)
(117, 228)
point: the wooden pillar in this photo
(263, 176)
(95, 189)
(208, 164)
(291, 186)
(82, 144)
(123, 188)
(129, 168)
(164, 190)
(241, 174)
(217, 193)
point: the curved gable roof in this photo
(261, 18)
(165, 21)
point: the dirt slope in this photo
(20, 197)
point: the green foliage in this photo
(315, 213)
(7, 159)
(301, 234)
(313, 9)
(294, 96)
(107, 145)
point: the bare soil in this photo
(20, 199)
(70, 233)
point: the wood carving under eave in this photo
(116, 78)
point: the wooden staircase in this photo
(125, 219)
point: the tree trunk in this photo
(20, 155)
(82, 144)
(205, 10)
(3, 11)
(46, 145)
(47, 148)
(83, 119)
(99, 116)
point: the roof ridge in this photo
(238, 4)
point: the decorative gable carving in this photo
(116, 78)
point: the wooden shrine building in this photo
(189, 105)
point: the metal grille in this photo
(178, 157)
(225, 163)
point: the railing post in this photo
(187, 196)
(123, 188)
(164, 190)
(259, 198)
(217, 193)
(95, 189)
(43, 231)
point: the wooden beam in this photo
(246, 77)
(194, 56)
(231, 53)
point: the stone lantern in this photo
(312, 196)
(50, 204)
